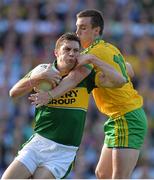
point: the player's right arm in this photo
(70, 81)
(23, 86)
(28, 82)
(108, 76)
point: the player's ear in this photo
(56, 52)
(97, 30)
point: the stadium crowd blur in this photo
(28, 30)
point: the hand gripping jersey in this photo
(63, 119)
(114, 101)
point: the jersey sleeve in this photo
(89, 66)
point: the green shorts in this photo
(127, 131)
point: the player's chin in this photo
(72, 65)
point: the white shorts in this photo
(42, 152)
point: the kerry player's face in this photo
(67, 54)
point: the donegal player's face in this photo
(84, 31)
(67, 55)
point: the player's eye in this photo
(83, 28)
(76, 50)
(67, 49)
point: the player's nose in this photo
(71, 53)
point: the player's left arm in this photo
(107, 76)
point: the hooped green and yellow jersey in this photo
(62, 119)
(114, 101)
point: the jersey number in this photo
(120, 61)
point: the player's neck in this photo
(90, 43)
(63, 71)
(93, 43)
(86, 45)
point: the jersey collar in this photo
(97, 40)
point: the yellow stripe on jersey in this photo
(121, 130)
(116, 133)
(76, 98)
(114, 101)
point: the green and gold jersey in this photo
(114, 101)
(62, 119)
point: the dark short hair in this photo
(67, 36)
(96, 18)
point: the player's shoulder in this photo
(107, 46)
(41, 66)
(38, 69)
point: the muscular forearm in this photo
(114, 80)
(65, 85)
(70, 81)
(110, 77)
(24, 86)
(20, 88)
(102, 65)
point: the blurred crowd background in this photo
(28, 31)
